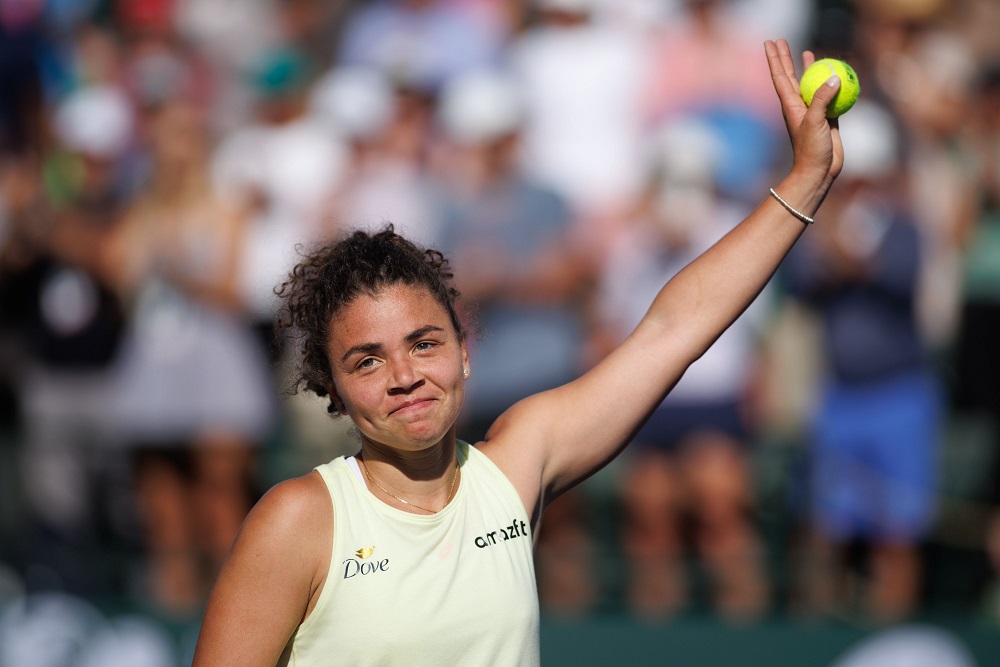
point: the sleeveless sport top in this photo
(452, 588)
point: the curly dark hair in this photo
(330, 277)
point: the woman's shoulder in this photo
(294, 508)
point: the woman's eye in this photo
(368, 363)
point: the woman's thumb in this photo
(824, 96)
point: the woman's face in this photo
(398, 367)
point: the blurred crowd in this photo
(162, 162)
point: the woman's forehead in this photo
(391, 308)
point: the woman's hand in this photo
(816, 146)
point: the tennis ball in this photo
(817, 74)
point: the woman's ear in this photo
(335, 401)
(466, 369)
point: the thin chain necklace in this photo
(451, 491)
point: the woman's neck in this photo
(424, 479)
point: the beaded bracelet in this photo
(804, 218)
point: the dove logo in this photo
(361, 565)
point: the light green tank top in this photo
(453, 588)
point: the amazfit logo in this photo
(515, 529)
(361, 565)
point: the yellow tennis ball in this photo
(818, 73)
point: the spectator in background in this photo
(875, 437)
(582, 133)
(386, 127)
(909, 50)
(418, 47)
(509, 237)
(192, 394)
(941, 170)
(277, 171)
(689, 462)
(61, 209)
(23, 209)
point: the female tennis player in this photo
(418, 550)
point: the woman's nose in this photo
(405, 376)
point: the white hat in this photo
(356, 101)
(96, 120)
(480, 107)
(871, 141)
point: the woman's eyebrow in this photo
(363, 348)
(422, 331)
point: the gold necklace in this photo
(451, 491)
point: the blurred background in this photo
(822, 487)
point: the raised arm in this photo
(579, 427)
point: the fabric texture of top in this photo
(456, 587)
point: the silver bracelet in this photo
(804, 218)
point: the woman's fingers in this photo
(783, 84)
(808, 58)
(787, 62)
(786, 84)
